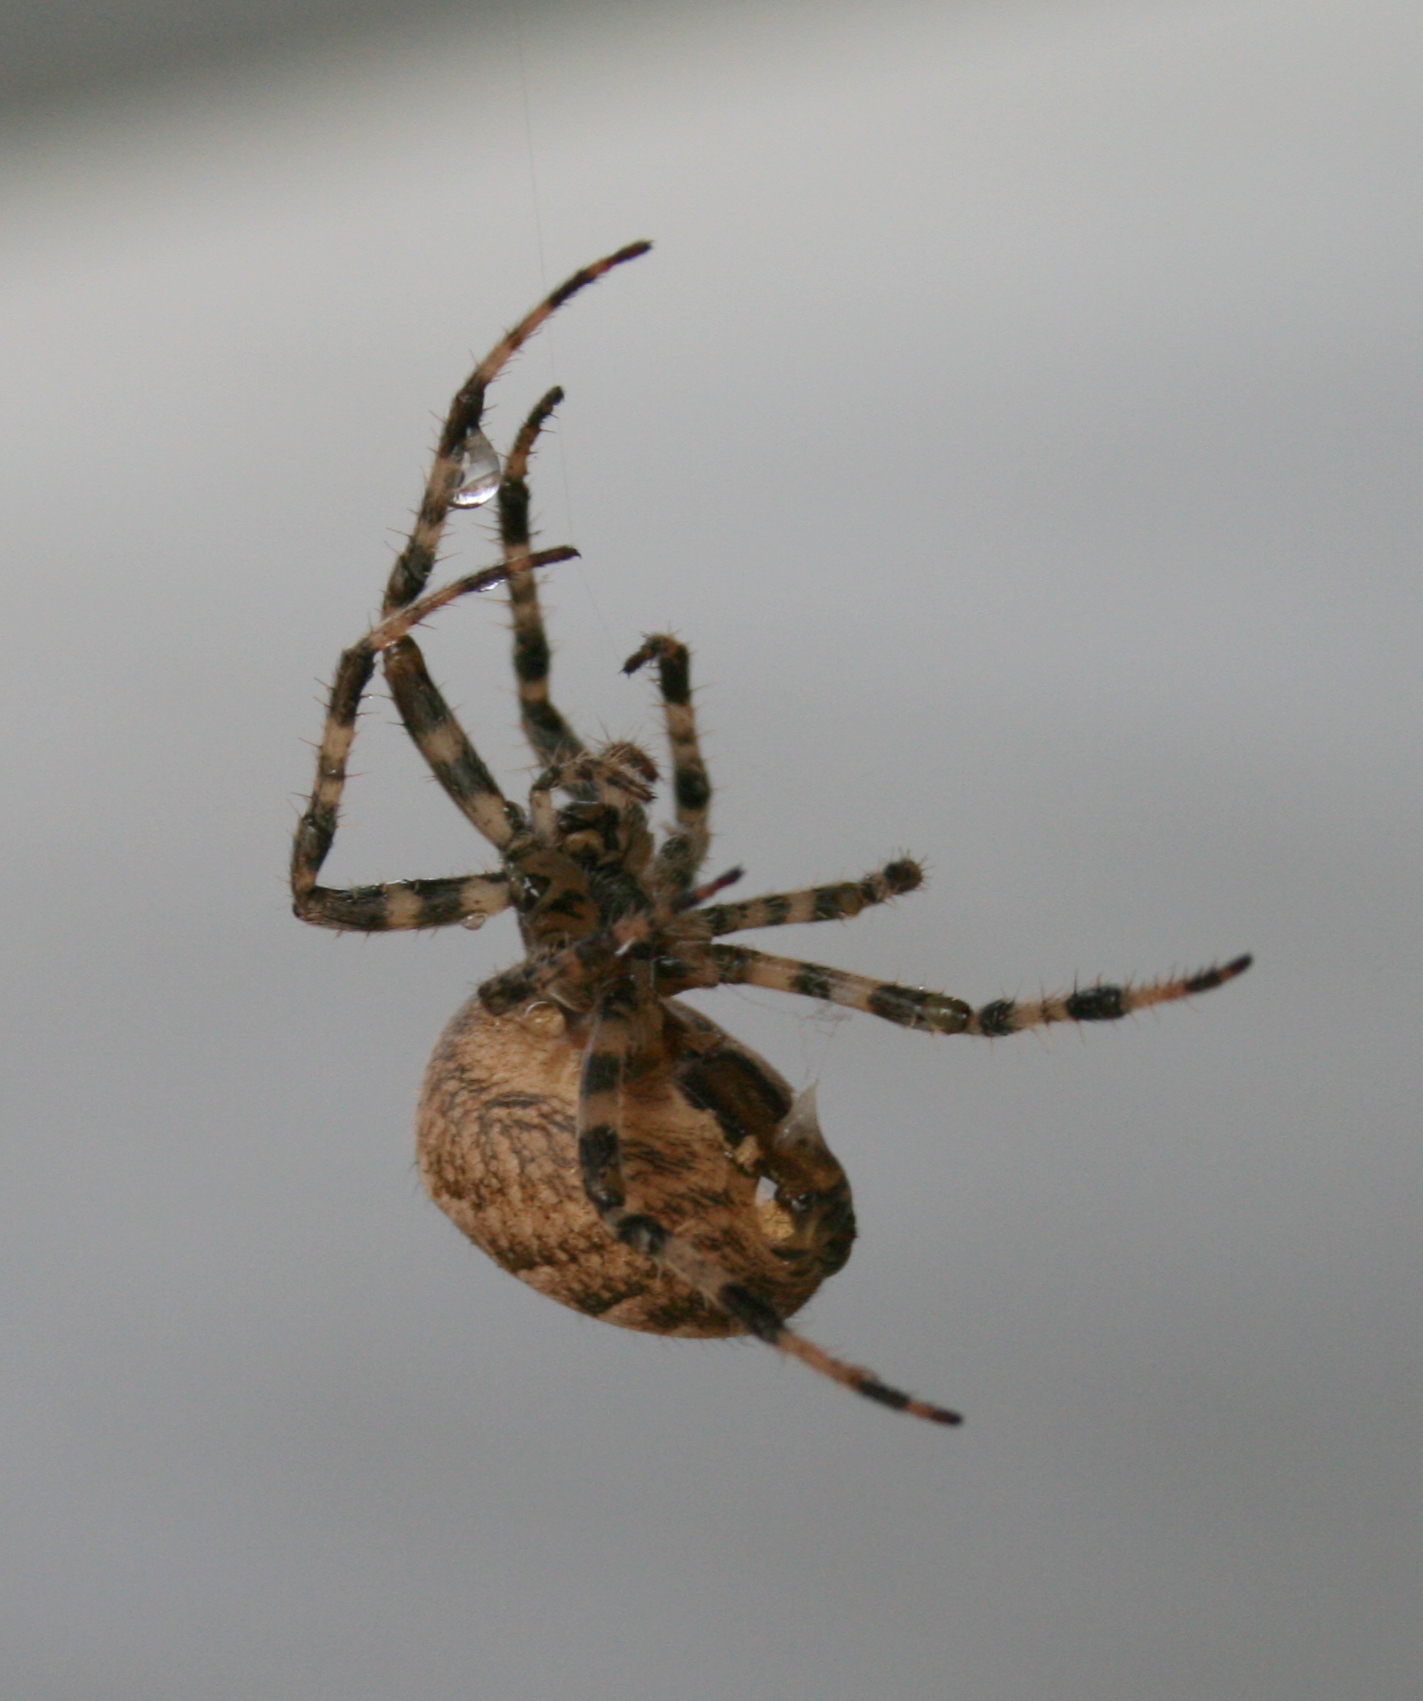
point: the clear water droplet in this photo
(482, 473)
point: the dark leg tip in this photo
(902, 876)
(1209, 979)
(897, 1401)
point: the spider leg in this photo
(401, 904)
(444, 744)
(416, 561)
(682, 854)
(428, 718)
(600, 1159)
(467, 898)
(937, 1012)
(816, 903)
(370, 909)
(545, 728)
(406, 619)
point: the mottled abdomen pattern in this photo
(714, 1145)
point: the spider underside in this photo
(600, 1139)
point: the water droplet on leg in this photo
(481, 473)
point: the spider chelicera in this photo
(603, 1141)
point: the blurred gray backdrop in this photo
(1020, 415)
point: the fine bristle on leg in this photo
(939, 1012)
(317, 828)
(1104, 1002)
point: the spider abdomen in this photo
(714, 1146)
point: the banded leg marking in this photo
(317, 827)
(600, 1102)
(1103, 1002)
(416, 561)
(600, 1158)
(682, 854)
(429, 719)
(545, 728)
(763, 1322)
(467, 898)
(937, 1012)
(817, 903)
(443, 743)
(369, 909)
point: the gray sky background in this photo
(1020, 415)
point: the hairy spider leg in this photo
(599, 1157)
(370, 909)
(550, 735)
(437, 733)
(405, 620)
(416, 561)
(467, 898)
(817, 903)
(937, 1012)
(427, 717)
(430, 721)
(445, 745)
(683, 852)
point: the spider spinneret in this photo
(600, 1139)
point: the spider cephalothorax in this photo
(603, 1141)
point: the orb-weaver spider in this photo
(601, 1140)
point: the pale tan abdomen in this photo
(497, 1149)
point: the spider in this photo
(600, 1139)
